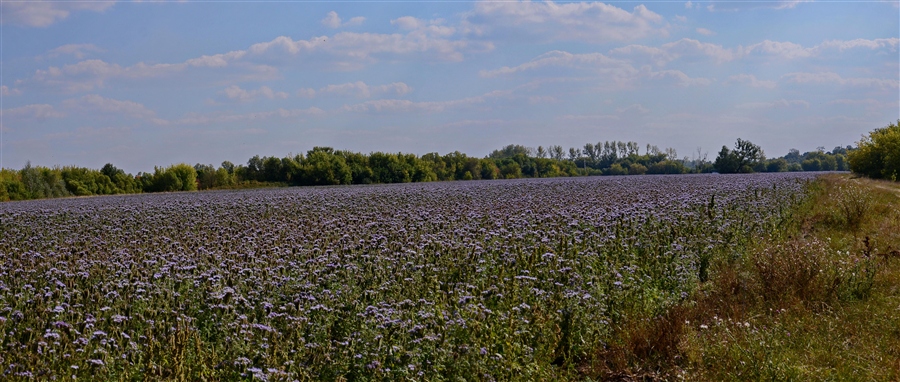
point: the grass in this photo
(816, 301)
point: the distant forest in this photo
(326, 166)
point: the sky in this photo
(144, 84)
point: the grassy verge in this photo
(819, 300)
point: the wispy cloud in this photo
(609, 69)
(592, 22)
(836, 79)
(869, 104)
(733, 6)
(93, 103)
(6, 91)
(234, 92)
(39, 13)
(751, 81)
(687, 47)
(332, 20)
(79, 51)
(281, 113)
(406, 106)
(429, 41)
(557, 58)
(360, 89)
(779, 104)
(38, 112)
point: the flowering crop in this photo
(491, 280)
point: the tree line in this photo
(327, 166)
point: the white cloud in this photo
(216, 60)
(355, 21)
(688, 5)
(35, 111)
(732, 6)
(593, 22)
(7, 92)
(306, 93)
(234, 92)
(358, 89)
(705, 32)
(39, 13)
(332, 20)
(750, 80)
(84, 75)
(787, 50)
(675, 77)
(693, 48)
(565, 59)
(89, 74)
(878, 43)
(606, 68)
(834, 78)
(348, 50)
(672, 51)
(406, 106)
(633, 109)
(780, 104)
(542, 100)
(93, 104)
(589, 117)
(199, 119)
(868, 103)
(399, 88)
(78, 51)
(408, 23)
(686, 47)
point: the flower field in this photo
(491, 280)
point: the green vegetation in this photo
(815, 300)
(326, 166)
(878, 156)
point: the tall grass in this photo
(815, 302)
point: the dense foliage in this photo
(326, 166)
(748, 157)
(878, 155)
(515, 280)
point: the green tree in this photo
(744, 158)
(667, 167)
(777, 165)
(323, 167)
(510, 151)
(489, 169)
(637, 169)
(510, 169)
(878, 155)
(206, 176)
(179, 177)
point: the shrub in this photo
(878, 155)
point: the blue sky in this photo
(141, 84)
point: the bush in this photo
(853, 204)
(180, 177)
(878, 155)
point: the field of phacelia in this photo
(492, 280)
